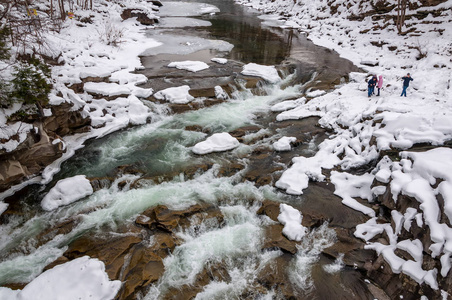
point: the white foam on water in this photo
(336, 266)
(237, 244)
(308, 254)
(114, 205)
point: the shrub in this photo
(31, 84)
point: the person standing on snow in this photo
(371, 85)
(406, 82)
(379, 84)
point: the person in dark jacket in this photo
(371, 85)
(406, 83)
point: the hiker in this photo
(406, 82)
(371, 85)
(379, 84)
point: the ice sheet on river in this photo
(183, 44)
(178, 22)
(186, 9)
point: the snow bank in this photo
(216, 143)
(81, 278)
(67, 191)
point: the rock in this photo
(11, 171)
(64, 121)
(31, 157)
(353, 249)
(274, 239)
(156, 3)
(143, 268)
(141, 16)
(230, 169)
(109, 249)
(163, 218)
(163, 243)
(197, 128)
(270, 209)
(242, 131)
(274, 276)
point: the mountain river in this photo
(145, 166)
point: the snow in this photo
(219, 60)
(177, 95)
(67, 191)
(186, 9)
(291, 219)
(269, 73)
(106, 89)
(217, 142)
(284, 143)
(348, 186)
(192, 66)
(81, 278)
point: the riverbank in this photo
(412, 232)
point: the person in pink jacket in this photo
(379, 84)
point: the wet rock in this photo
(109, 249)
(143, 268)
(191, 171)
(274, 239)
(163, 243)
(274, 276)
(262, 168)
(242, 131)
(321, 203)
(203, 93)
(59, 261)
(270, 209)
(163, 218)
(100, 183)
(197, 128)
(353, 249)
(346, 284)
(230, 169)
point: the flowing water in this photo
(159, 152)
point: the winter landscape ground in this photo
(405, 141)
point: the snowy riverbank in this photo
(366, 127)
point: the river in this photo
(142, 167)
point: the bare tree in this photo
(401, 11)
